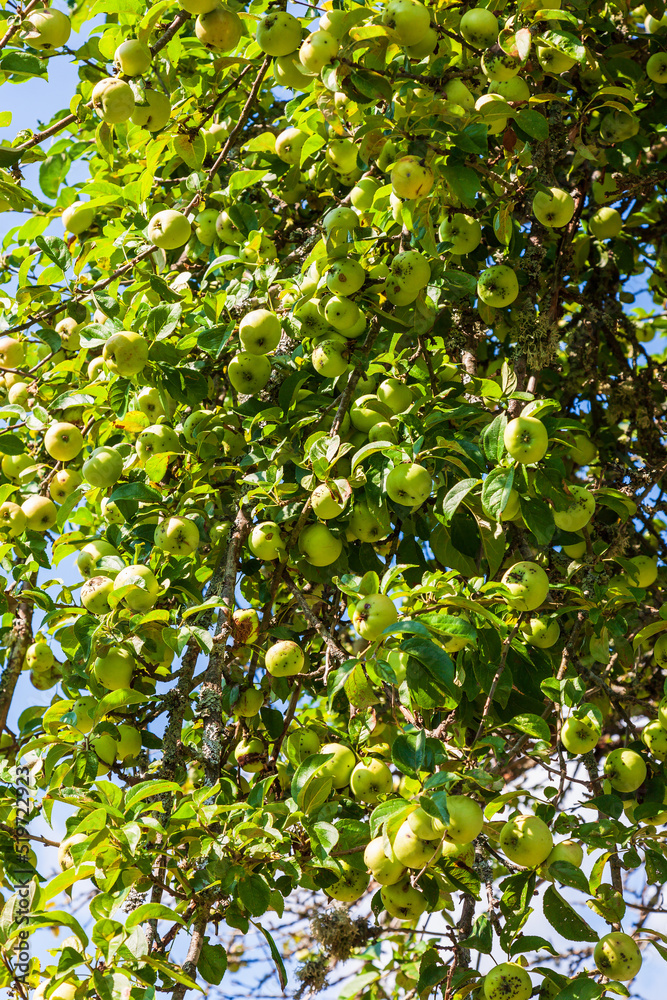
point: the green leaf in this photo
(481, 938)
(565, 920)
(454, 497)
(491, 439)
(212, 963)
(306, 772)
(255, 895)
(146, 789)
(55, 249)
(11, 444)
(437, 662)
(496, 491)
(539, 519)
(152, 911)
(532, 123)
(565, 42)
(570, 875)
(409, 753)
(533, 725)
(387, 811)
(275, 955)
(582, 988)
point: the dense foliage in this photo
(332, 409)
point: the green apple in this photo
(133, 57)
(125, 353)
(249, 373)
(656, 67)
(579, 513)
(541, 632)
(396, 395)
(462, 231)
(63, 484)
(507, 981)
(284, 659)
(479, 27)
(654, 738)
(149, 402)
(19, 394)
(403, 902)
(103, 468)
(456, 92)
(66, 861)
(500, 67)
(84, 709)
(515, 89)
(95, 595)
(411, 267)
(341, 155)
(494, 112)
(579, 735)
(617, 956)
(219, 29)
(129, 742)
(660, 651)
(554, 208)
(351, 885)
(96, 552)
(12, 518)
(198, 6)
(345, 277)
(169, 229)
(289, 144)
(365, 524)
(366, 411)
(318, 545)
(144, 590)
(409, 19)
(158, 439)
(372, 779)
(617, 126)
(260, 331)
(497, 286)
(567, 850)
(466, 819)
(411, 178)
(625, 770)
(529, 585)
(205, 226)
(179, 536)
(301, 744)
(526, 840)
(245, 626)
(553, 60)
(248, 703)
(316, 51)
(39, 656)
(582, 450)
(328, 499)
(341, 313)
(424, 826)
(411, 851)
(329, 357)
(288, 72)
(278, 33)
(113, 100)
(526, 439)
(409, 484)
(606, 223)
(12, 352)
(78, 217)
(155, 113)
(363, 193)
(645, 572)
(385, 870)
(40, 513)
(63, 441)
(115, 669)
(111, 512)
(341, 765)
(372, 615)
(49, 29)
(266, 542)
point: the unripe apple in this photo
(265, 541)
(645, 572)
(372, 778)
(319, 546)
(278, 33)
(328, 499)
(402, 901)
(95, 595)
(456, 92)
(260, 331)
(411, 178)
(462, 231)
(373, 614)
(579, 513)
(66, 861)
(660, 654)
(169, 229)
(289, 144)
(479, 27)
(541, 632)
(248, 704)
(63, 441)
(13, 520)
(529, 585)
(427, 45)
(625, 770)
(177, 535)
(500, 67)
(40, 513)
(351, 885)
(78, 217)
(103, 468)
(84, 709)
(606, 223)
(366, 411)
(409, 19)
(526, 840)
(133, 57)
(245, 626)
(316, 51)
(656, 67)
(654, 738)
(341, 765)
(129, 742)
(113, 100)
(288, 72)
(617, 956)
(466, 819)
(617, 126)
(340, 221)
(553, 60)
(12, 353)
(125, 353)
(497, 286)
(385, 870)
(50, 29)
(138, 598)
(567, 850)
(63, 484)
(579, 735)
(301, 744)
(394, 394)
(39, 656)
(249, 373)
(554, 208)
(219, 29)
(515, 89)
(114, 670)
(198, 6)
(284, 659)
(18, 394)
(345, 277)
(507, 981)
(363, 193)
(411, 851)
(526, 439)
(424, 826)
(409, 484)
(411, 266)
(96, 553)
(494, 112)
(155, 113)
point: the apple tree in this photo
(332, 505)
